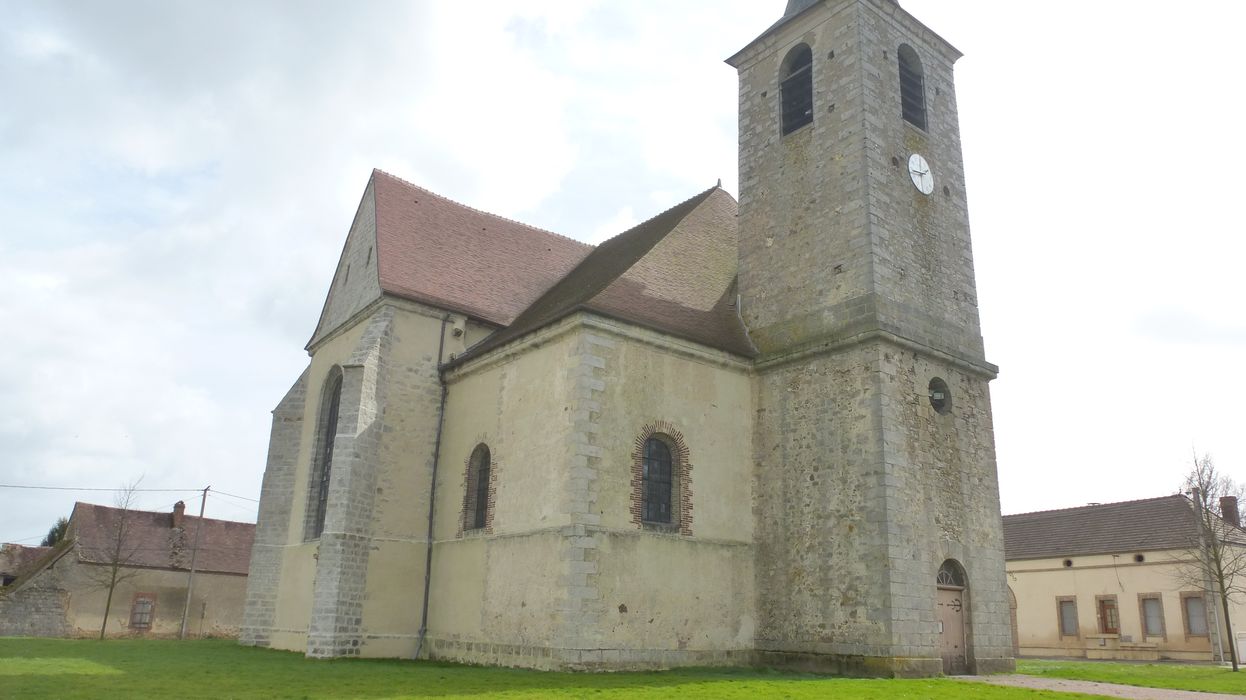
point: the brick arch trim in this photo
(470, 476)
(666, 431)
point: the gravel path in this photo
(1111, 690)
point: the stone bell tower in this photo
(880, 547)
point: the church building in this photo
(740, 433)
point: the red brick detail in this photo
(668, 433)
(471, 477)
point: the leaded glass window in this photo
(657, 482)
(481, 463)
(324, 456)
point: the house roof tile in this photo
(1152, 524)
(152, 541)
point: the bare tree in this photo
(118, 552)
(1216, 561)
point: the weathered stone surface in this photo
(817, 490)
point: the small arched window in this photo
(476, 511)
(912, 87)
(657, 482)
(322, 468)
(796, 88)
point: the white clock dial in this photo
(919, 170)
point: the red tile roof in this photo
(674, 273)
(448, 255)
(1108, 528)
(151, 540)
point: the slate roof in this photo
(1132, 526)
(153, 542)
(674, 273)
(437, 251)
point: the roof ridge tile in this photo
(1095, 505)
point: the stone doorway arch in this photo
(952, 608)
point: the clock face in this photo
(919, 170)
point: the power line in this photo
(222, 493)
(87, 488)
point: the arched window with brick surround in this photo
(912, 87)
(322, 460)
(661, 480)
(478, 495)
(656, 475)
(796, 88)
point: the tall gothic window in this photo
(796, 88)
(476, 515)
(912, 87)
(657, 482)
(318, 491)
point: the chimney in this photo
(1228, 511)
(179, 514)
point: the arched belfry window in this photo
(477, 500)
(796, 88)
(912, 87)
(322, 466)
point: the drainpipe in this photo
(432, 488)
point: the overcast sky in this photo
(177, 179)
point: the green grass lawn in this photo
(152, 669)
(1209, 679)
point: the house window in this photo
(796, 89)
(141, 611)
(478, 497)
(322, 467)
(1151, 609)
(1194, 610)
(661, 480)
(1109, 615)
(1066, 611)
(912, 88)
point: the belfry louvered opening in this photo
(912, 87)
(796, 89)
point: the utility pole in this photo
(194, 553)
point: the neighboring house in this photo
(733, 434)
(62, 590)
(1114, 581)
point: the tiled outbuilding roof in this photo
(151, 541)
(15, 558)
(1133, 526)
(448, 255)
(674, 273)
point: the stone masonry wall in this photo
(336, 625)
(273, 523)
(858, 290)
(37, 609)
(356, 282)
